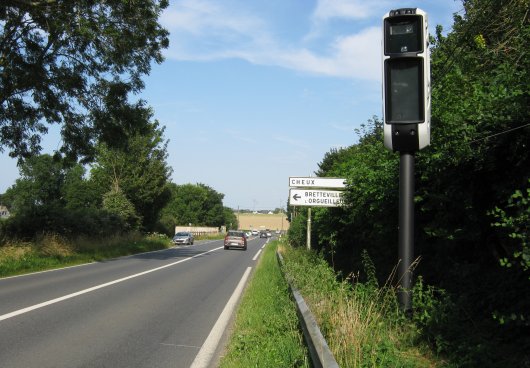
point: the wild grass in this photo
(50, 251)
(266, 329)
(361, 321)
(210, 236)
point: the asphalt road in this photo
(149, 310)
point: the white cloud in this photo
(356, 9)
(202, 30)
(203, 17)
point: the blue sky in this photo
(252, 92)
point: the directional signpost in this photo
(315, 198)
(313, 192)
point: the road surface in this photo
(149, 310)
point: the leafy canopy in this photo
(65, 62)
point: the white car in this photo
(183, 237)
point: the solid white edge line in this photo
(257, 255)
(81, 292)
(205, 355)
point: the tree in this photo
(230, 218)
(138, 168)
(77, 191)
(63, 62)
(40, 184)
(52, 197)
(195, 204)
(116, 202)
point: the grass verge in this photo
(360, 321)
(53, 251)
(266, 330)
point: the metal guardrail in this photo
(321, 355)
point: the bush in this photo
(70, 223)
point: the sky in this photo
(253, 92)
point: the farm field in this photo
(251, 221)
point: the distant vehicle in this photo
(269, 234)
(236, 239)
(183, 237)
(255, 232)
(277, 231)
(263, 234)
(248, 233)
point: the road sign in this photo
(315, 198)
(308, 182)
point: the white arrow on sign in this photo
(315, 198)
(308, 182)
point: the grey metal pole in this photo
(308, 228)
(406, 229)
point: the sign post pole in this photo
(309, 228)
(406, 229)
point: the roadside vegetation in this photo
(472, 195)
(361, 321)
(53, 251)
(266, 331)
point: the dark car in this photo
(183, 237)
(236, 239)
(263, 234)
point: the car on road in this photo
(255, 232)
(183, 237)
(263, 234)
(236, 239)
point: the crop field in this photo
(251, 221)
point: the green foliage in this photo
(116, 202)
(478, 155)
(65, 61)
(144, 179)
(432, 309)
(230, 218)
(515, 221)
(197, 204)
(297, 232)
(359, 320)
(51, 250)
(40, 183)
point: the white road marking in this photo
(181, 346)
(257, 255)
(205, 355)
(85, 291)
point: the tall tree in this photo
(62, 62)
(40, 183)
(197, 204)
(138, 168)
